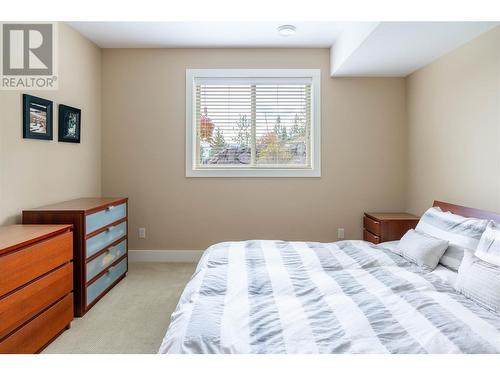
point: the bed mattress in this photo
(307, 297)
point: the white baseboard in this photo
(179, 256)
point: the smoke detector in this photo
(287, 30)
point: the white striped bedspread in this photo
(307, 297)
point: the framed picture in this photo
(37, 118)
(69, 124)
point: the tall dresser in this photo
(36, 283)
(100, 243)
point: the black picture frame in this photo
(69, 124)
(37, 118)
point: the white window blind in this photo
(252, 123)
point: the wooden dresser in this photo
(100, 243)
(389, 226)
(36, 283)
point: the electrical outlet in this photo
(340, 233)
(142, 232)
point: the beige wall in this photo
(36, 172)
(387, 144)
(363, 158)
(453, 108)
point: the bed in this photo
(343, 297)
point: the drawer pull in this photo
(110, 208)
(111, 228)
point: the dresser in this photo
(388, 226)
(100, 243)
(36, 284)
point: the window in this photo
(252, 123)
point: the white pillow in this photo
(479, 281)
(421, 249)
(461, 233)
(488, 248)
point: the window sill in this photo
(254, 172)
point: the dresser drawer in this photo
(95, 289)
(105, 217)
(20, 306)
(19, 267)
(34, 335)
(371, 225)
(370, 237)
(104, 260)
(104, 239)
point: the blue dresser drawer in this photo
(106, 238)
(95, 289)
(105, 217)
(104, 260)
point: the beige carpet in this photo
(133, 317)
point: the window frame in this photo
(229, 171)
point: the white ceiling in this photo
(357, 48)
(398, 48)
(207, 34)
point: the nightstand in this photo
(389, 226)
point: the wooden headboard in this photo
(467, 211)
